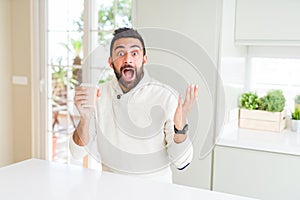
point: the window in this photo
(75, 28)
(263, 69)
(277, 73)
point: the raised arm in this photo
(81, 133)
(180, 117)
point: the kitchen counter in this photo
(38, 179)
(285, 142)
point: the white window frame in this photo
(41, 146)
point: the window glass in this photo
(65, 44)
(277, 73)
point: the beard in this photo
(136, 74)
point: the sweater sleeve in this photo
(77, 152)
(181, 154)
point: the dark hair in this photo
(126, 33)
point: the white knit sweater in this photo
(132, 133)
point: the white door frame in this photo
(39, 77)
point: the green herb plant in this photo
(274, 101)
(296, 114)
(249, 101)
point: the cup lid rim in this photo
(89, 85)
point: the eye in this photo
(120, 53)
(134, 53)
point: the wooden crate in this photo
(262, 120)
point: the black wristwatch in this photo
(183, 131)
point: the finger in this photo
(196, 92)
(192, 94)
(190, 98)
(80, 100)
(180, 100)
(98, 92)
(82, 103)
(80, 90)
(187, 95)
(81, 94)
(80, 97)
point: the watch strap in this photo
(183, 131)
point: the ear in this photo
(145, 58)
(110, 62)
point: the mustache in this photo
(126, 66)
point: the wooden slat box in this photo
(262, 120)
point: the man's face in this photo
(127, 61)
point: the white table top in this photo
(285, 142)
(38, 179)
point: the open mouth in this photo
(128, 73)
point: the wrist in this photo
(85, 121)
(179, 138)
(77, 139)
(178, 126)
(182, 130)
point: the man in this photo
(130, 141)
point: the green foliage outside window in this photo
(110, 19)
(61, 78)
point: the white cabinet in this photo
(254, 173)
(267, 22)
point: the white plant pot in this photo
(296, 125)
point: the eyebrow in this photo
(131, 47)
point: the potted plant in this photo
(274, 101)
(264, 113)
(62, 81)
(249, 101)
(296, 120)
(76, 47)
(297, 101)
(62, 77)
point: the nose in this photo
(128, 58)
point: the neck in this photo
(124, 89)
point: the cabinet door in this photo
(267, 22)
(258, 174)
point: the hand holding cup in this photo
(85, 99)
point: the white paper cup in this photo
(92, 94)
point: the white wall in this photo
(229, 49)
(21, 44)
(233, 59)
(200, 21)
(15, 100)
(6, 134)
